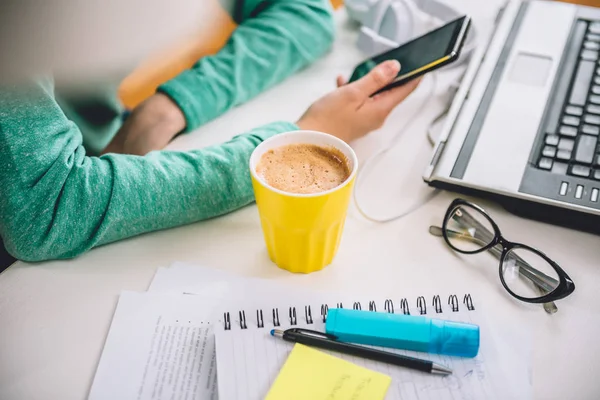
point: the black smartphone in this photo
(426, 53)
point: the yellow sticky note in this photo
(313, 374)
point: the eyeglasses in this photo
(526, 273)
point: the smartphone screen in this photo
(419, 54)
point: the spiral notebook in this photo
(249, 358)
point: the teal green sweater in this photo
(56, 201)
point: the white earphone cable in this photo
(378, 156)
(370, 13)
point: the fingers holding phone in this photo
(378, 79)
(350, 111)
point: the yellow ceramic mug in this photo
(302, 231)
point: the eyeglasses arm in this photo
(538, 281)
(545, 282)
(466, 221)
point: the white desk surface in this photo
(54, 316)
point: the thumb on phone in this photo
(380, 76)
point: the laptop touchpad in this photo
(530, 69)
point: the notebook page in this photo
(159, 346)
(248, 360)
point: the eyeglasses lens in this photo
(468, 230)
(527, 274)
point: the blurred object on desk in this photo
(142, 82)
(167, 64)
(95, 41)
(592, 3)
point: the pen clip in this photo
(311, 333)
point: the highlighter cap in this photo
(454, 338)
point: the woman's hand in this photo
(349, 112)
(151, 126)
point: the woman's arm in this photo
(274, 39)
(56, 202)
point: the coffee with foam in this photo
(303, 168)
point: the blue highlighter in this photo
(408, 332)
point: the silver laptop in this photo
(524, 126)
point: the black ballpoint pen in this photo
(329, 342)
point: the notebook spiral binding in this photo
(388, 307)
(372, 306)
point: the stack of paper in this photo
(161, 345)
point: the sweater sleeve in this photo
(277, 38)
(56, 202)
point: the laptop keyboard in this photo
(575, 149)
